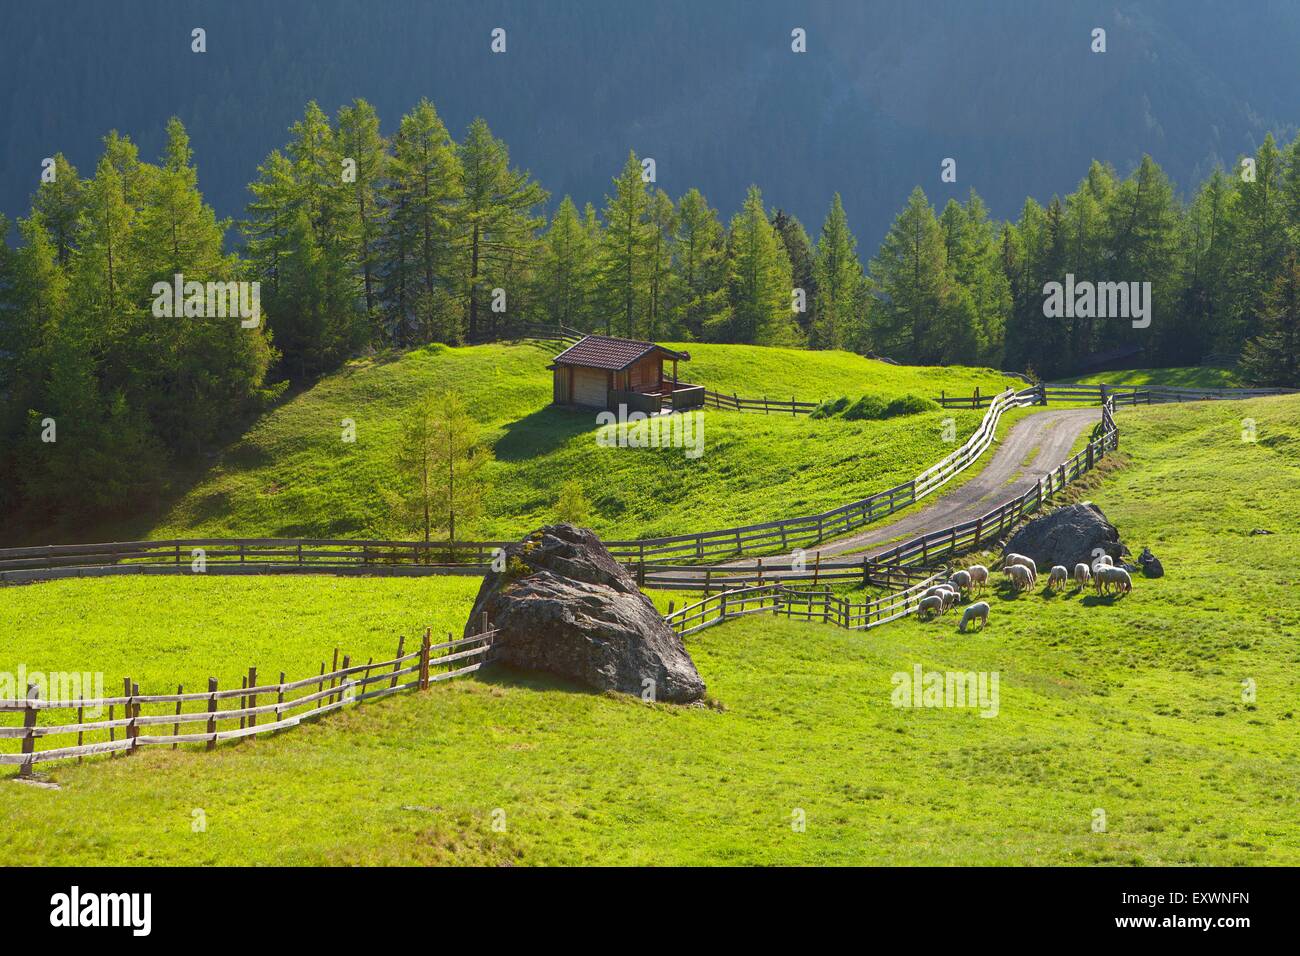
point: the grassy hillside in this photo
(292, 474)
(1194, 376)
(1132, 706)
(162, 631)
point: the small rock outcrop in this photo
(564, 606)
(1068, 536)
(1150, 564)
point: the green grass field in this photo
(1131, 706)
(292, 475)
(1194, 376)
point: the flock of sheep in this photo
(1023, 575)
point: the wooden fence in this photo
(768, 406)
(294, 701)
(780, 600)
(558, 336)
(812, 570)
(271, 555)
(799, 532)
(1155, 394)
(933, 547)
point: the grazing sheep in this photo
(1022, 579)
(1103, 561)
(937, 589)
(950, 597)
(1019, 559)
(1057, 577)
(960, 580)
(1108, 576)
(979, 577)
(1082, 575)
(979, 611)
(932, 603)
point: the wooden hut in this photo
(603, 372)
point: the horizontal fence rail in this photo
(933, 547)
(269, 555)
(765, 405)
(781, 600)
(293, 702)
(800, 532)
(1155, 394)
(860, 571)
(558, 336)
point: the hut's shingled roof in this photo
(601, 351)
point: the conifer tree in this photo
(839, 283)
(910, 272)
(623, 282)
(759, 280)
(699, 282)
(496, 221)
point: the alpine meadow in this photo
(582, 435)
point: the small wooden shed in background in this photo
(603, 372)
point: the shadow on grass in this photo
(541, 432)
(503, 675)
(1100, 600)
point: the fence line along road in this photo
(778, 599)
(932, 547)
(272, 555)
(295, 701)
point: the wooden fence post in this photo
(424, 660)
(401, 647)
(176, 727)
(343, 679)
(252, 698)
(212, 713)
(127, 711)
(279, 700)
(29, 736)
(81, 735)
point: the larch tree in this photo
(699, 282)
(759, 280)
(440, 461)
(496, 220)
(839, 282)
(911, 274)
(627, 234)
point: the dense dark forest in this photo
(359, 241)
(368, 229)
(712, 91)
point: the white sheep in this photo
(1022, 579)
(1108, 576)
(1025, 562)
(979, 577)
(1082, 574)
(979, 611)
(960, 580)
(1103, 561)
(936, 589)
(1057, 577)
(932, 603)
(950, 597)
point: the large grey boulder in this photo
(564, 606)
(1068, 536)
